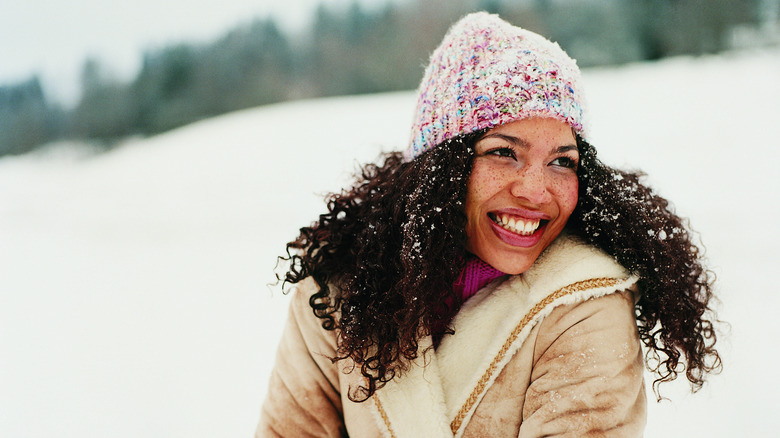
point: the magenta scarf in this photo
(475, 275)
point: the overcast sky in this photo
(53, 37)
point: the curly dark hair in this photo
(638, 228)
(389, 248)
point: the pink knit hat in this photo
(487, 72)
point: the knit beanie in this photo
(487, 72)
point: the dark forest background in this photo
(346, 50)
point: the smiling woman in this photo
(521, 192)
(495, 279)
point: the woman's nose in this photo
(530, 184)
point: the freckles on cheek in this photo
(484, 181)
(567, 193)
(476, 186)
(572, 193)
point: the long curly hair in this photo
(387, 250)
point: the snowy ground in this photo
(133, 297)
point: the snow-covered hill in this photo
(133, 284)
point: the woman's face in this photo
(522, 190)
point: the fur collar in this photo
(491, 327)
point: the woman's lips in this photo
(521, 231)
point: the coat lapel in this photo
(412, 405)
(470, 360)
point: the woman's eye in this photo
(502, 152)
(567, 162)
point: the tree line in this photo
(345, 50)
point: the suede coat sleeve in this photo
(303, 397)
(587, 372)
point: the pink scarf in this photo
(475, 275)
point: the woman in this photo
(496, 279)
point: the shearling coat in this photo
(553, 352)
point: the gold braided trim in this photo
(567, 290)
(383, 414)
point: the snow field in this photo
(133, 284)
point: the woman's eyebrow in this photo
(567, 148)
(517, 141)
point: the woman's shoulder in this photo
(575, 308)
(304, 320)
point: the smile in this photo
(515, 224)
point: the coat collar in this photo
(441, 389)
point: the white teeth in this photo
(518, 225)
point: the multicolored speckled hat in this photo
(487, 72)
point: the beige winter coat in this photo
(553, 352)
